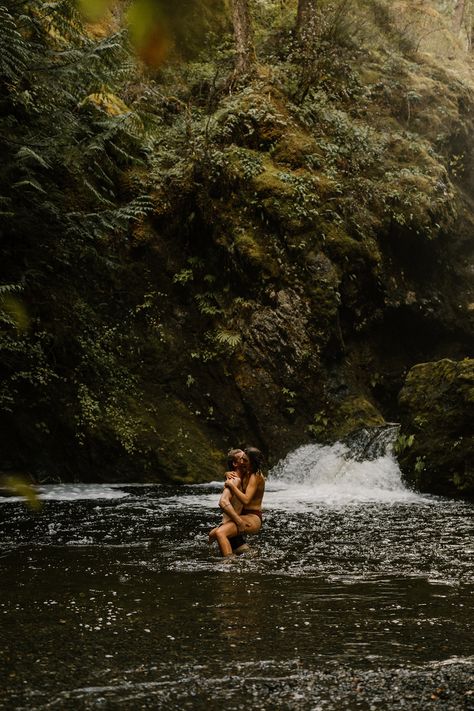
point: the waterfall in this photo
(360, 468)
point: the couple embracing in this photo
(241, 501)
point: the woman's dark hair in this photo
(255, 458)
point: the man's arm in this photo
(225, 505)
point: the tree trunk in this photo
(458, 17)
(243, 31)
(305, 20)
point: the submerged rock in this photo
(436, 443)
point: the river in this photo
(357, 594)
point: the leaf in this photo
(13, 312)
(149, 32)
(26, 154)
(93, 10)
(21, 487)
(228, 338)
(31, 183)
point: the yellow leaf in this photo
(21, 487)
(149, 32)
(16, 311)
(93, 10)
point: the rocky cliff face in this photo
(310, 240)
(321, 247)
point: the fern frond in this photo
(205, 305)
(231, 339)
(28, 155)
(14, 53)
(136, 209)
(10, 289)
(96, 194)
(29, 183)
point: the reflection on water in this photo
(350, 600)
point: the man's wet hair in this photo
(231, 456)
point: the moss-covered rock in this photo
(179, 444)
(337, 420)
(436, 444)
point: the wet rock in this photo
(340, 419)
(436, 443)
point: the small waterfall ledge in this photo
(361, 468)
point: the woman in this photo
(250, 495)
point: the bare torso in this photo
(258, 481)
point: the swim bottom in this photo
(255, 512)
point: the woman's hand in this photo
(241, 526)
(230, 482)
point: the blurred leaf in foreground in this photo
(93, 10)
(17, 485)
(149, 32)
(13, 312)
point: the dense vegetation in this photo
(66, 210)
(209, 250)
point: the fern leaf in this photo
(29, 183)
(231, 339)
(10, 289)
(28, 155)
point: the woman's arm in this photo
(250, 491)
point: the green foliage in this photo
(322, 61)
(64, 221)
(318, 427)
(403, 442)
(420, 465)
(183, 276)
(147, 217)
(290, 397)
(229, 339)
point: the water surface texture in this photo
(356, 595)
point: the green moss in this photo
(254, 251)
(295, 149)
(438, 407)
(354, 413)
(249, 247)
(290, 200)
(340, 419)
(270, 182)
(180, 444)
(344, 249)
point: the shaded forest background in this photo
(230, 222)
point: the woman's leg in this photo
(253, 523)
(223, 533)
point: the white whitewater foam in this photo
(74, 492)
(317, 473)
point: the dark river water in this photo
(357, 594)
